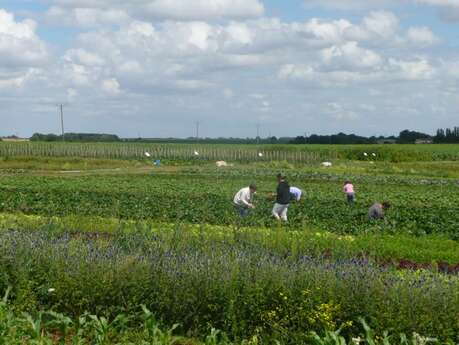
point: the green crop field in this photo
(250, 153)
(99, 246)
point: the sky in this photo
(153, 68)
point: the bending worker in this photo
(243, 200)
(296, 193)
(377, 210)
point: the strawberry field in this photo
(117, 255)
(420, 206)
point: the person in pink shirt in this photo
(349, 190)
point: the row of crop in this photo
(137, 151)
(382, 249)
(374, 174)
(416, 209)
(303, 154)
(241, 289)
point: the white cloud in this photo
(421, 36)
(350, 56)
(329, 31)
(205, 9)
(86, 13)
(389, 70)
(371, 4)
(375, 27)
(111, 86)
(19, 44)
(84, 57)
(411, 70)
(449, 8)
(350, 4)
(86, 17)
(339, 112)
(22, 53)
(381, 23)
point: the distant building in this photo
(387, 141)
(424, 141)
(14, 138)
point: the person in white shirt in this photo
(296, 193)
(243, 200)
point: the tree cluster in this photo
(340, 139)
(410, 137)
(76, 137)
(447, 135)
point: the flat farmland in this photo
(85, 239)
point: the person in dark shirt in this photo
(283, 199)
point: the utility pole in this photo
(197, 130)
(258, 133)
(61, 106)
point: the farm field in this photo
(242, 153)
(81, 237)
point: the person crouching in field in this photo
(377, 210)
(283, 199)
(296, 194)
(349, 191)
(243, 200)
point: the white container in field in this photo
(327, 164)
(221, 164)
(260, 154)
(196, 153)
(147, 154)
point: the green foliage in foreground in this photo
(49, 328)
(243, 288)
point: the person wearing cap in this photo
(283, 199)
(243, 200)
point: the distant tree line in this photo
(340, 139)
(191, 140)
(404, 137)
(76, 137)
(448, 135)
